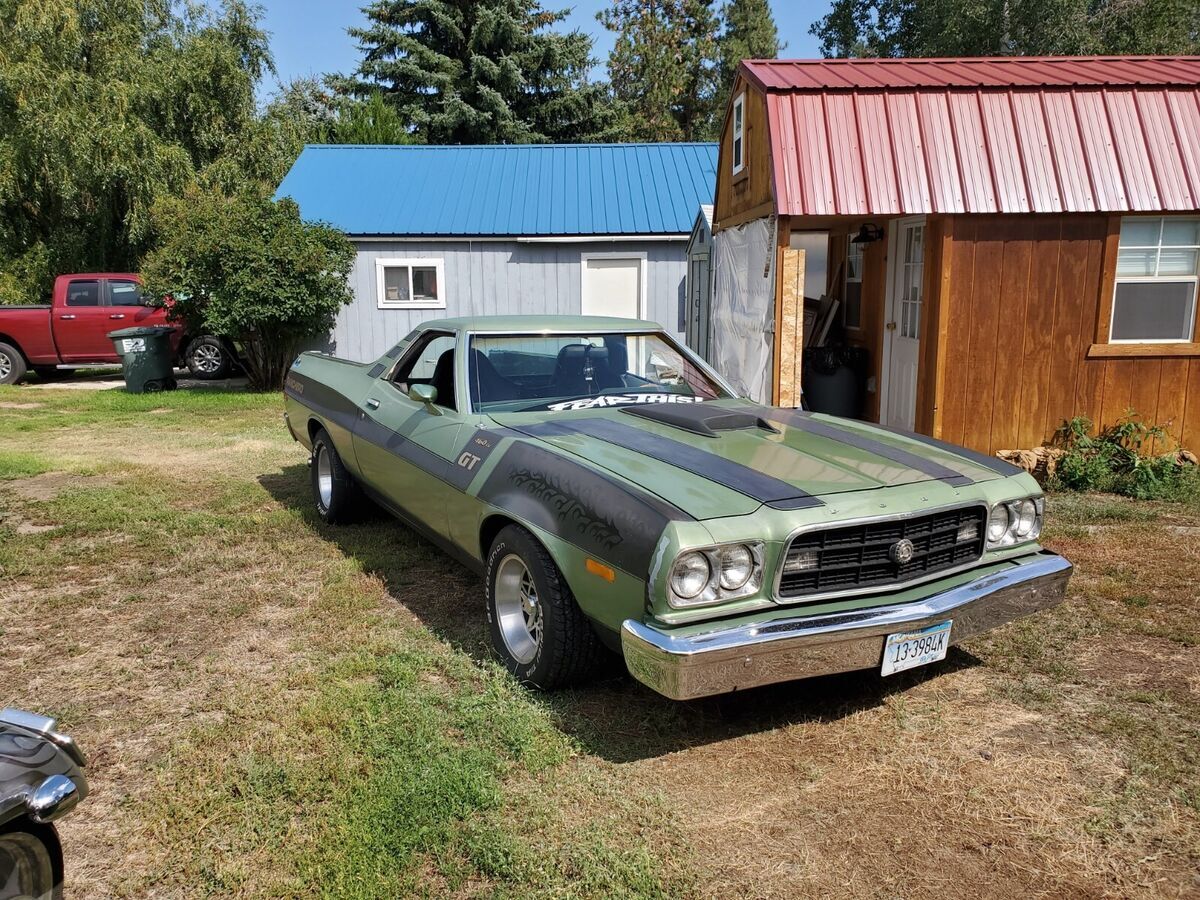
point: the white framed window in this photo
(1154, 299)
(852, 308)
(412, 283)
(739, 133)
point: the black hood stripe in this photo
(796, 418)
(994, 463)
(735, 476)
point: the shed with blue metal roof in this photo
(596, 229)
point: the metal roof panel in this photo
(971, 72)
(883, 137)
(525, 190)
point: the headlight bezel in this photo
(1017, 532)
(713, 591)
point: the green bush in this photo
(249, 268)
(1121, 459)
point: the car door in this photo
(404, 449)
(82, 323)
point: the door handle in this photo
(117, 316)
(891, 326)
(66, 317)
(372, 403)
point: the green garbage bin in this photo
(146, 358)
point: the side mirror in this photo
(427, 394)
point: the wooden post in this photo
(790, 338)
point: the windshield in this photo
(525, 373)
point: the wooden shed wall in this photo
(1012, 307)
(747, 195)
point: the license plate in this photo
(910, 649)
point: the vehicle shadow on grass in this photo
(616, 717)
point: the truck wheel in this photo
(207, 358)
(537, 628)
(337, 497)
(12, 364)
(31, 862)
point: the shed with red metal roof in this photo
(1010, 241)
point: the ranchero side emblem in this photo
(901, 552)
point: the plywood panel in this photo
(791, 325)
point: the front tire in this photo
(208, 359)
(31, 862)
(12, 364)
(336, 495)
(538, 630)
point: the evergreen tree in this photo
(663, 67)
(750, 33)
(479, 71)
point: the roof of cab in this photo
(535, 324)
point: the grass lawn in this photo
(276, 708)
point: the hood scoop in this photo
(698, 418)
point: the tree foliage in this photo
(749, 33)
(247, 267)
(663, 67)
(106, 106)
(892, 28)
(479, 71)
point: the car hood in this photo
(724, 458)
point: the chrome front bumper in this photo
(684, 667)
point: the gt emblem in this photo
(469, 461)
(901, 552)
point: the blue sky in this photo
(309, 36)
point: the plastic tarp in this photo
(743, 307)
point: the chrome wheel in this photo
(518, 611)
(26, 869)
(324, 477)
(207, 359)
(6, 367)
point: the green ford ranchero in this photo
(615, 492)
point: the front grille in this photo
(858, 557)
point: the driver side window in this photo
(430, 362)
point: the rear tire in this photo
(538, 630)
(208, 359)
(336, 495)
(12, 364)
(31, 861)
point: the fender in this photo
(611, 521)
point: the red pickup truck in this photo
(72, 331)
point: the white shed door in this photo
(612, 286)
(904, 325)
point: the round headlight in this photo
(997, 523)
(689, 575)
(1026, 517)
(737, 565)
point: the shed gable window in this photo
(410, 283)
(1154, 300)
(739, 133)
